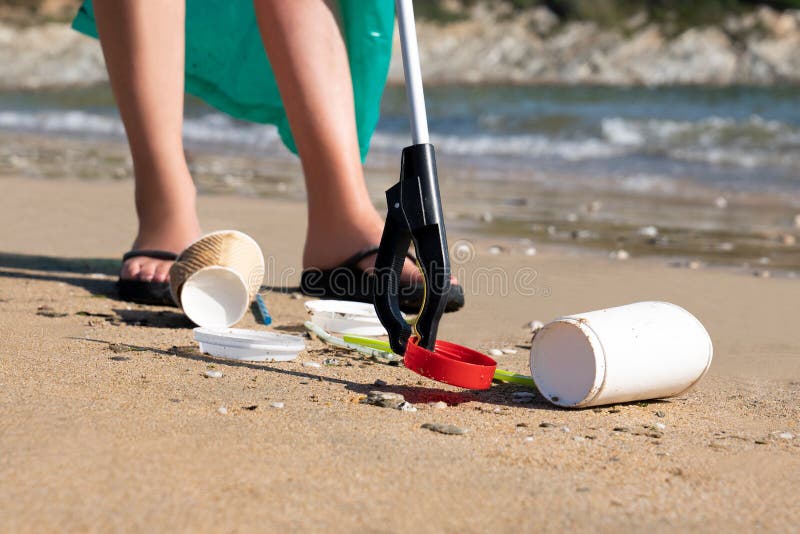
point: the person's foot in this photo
(171, 234)
(328, 246)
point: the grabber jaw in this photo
(415, 214)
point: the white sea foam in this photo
(210, 128)
(747, 143)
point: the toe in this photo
(130, 269)
(162, 271)
(147, 271)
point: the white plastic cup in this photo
(216, 277)
(639, 351)
(215, 297)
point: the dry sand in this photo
(94, 439)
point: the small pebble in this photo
(312, 364)
(529, 439)
(530, 251)
(223, 410)
(297, 295)
(565, 429)
(445, 429)
(620, 255)
(580, 234)
(384, 399)
(440, 405)
(508, 351)
(213, 374)
(764, 260)
(788, 240)
(694, 265)
(546, 425)
(572, 217)
(660, 414)
(495, 250)
(621, 429)
(331, 361)
(762, 273)
(380, 382)
(407, 407)
(495, 352)
(721, 202)
(648, 231)
(486, 217)
(579, 438)
(660, 426)
(725, 246)
(786, 435)
(278, 405)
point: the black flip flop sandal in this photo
(142, 292)
(351, 282)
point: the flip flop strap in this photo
(155, 254)
(352, 261)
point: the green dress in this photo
(226, 64)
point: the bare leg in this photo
(143, 44)
(313, 72)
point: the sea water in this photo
(715, 170)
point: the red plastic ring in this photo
(452, 364)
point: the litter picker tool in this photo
(414, 215)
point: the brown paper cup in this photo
(214, 265)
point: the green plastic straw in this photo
(341, 343)
(514, 378)
(369, 342)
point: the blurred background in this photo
(661, 129)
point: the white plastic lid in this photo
(343, 309)
(250, 354)
(255, 339)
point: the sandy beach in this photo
(110, 424)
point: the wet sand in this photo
(98, 437)
(683, 223)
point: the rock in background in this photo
(490, 45)
(534, 47)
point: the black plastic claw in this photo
(415, 214)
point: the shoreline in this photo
(752, 233)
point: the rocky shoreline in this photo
(532, 47)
